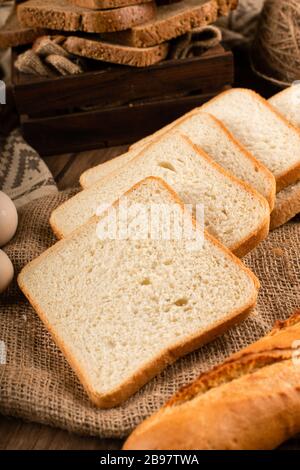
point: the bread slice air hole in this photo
(167, 166)
(181, 302)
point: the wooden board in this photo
(114, 105)
(110, 85)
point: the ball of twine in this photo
(276, 50)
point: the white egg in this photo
(6, 271)
(8, 219)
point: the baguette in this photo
(122, 309)
(250, 402)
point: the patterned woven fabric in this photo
(36, 382)
(23, 174)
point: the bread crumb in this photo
(278, 251)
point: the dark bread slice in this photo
(12, 34)
(174, 20)
(62, 15)
(106, 4)
(114, 53)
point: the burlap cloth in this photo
(36, 382)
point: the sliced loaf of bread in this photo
(62, 15)
(122, 310)
(262, 130)
(235, 214)
(208, 133)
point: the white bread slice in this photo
(208, 133)
(287, 102)
(287, 205)
(96, 173)
(235, 214)
(122, 310)
(262, 130)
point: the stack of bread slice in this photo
(121, 309)
(131, 32)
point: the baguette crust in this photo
(61, 15)
(291, 175)
(168, 356)
(287, 206)
(253, 398)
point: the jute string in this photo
(276, 51)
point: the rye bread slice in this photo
(12, 34)
(115, 53)
(172, 21)
(62, 15)
(105, 4)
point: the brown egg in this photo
(8, 219)
(6, 271)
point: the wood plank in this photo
(104, 127)
(114, 84)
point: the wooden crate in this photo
(115, 105)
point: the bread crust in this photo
(250, 402)
(239, 249)
(287, 206)
(175, 20)
(61, 15)
(114, 53)
(290, 176)
(106, 4)
(157, 364)
(12, 34)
